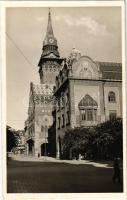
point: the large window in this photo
(58, 122)
(88, 109)
(83, 115)
(112, 115)
(67, 118)
(63, 121)
(111, 97)
(88, 114)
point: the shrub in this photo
(101, 142)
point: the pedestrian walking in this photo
(116, 176)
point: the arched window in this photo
(42, 128)
(88, 109)
(111, 97)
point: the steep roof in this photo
(110, 70)
(49, 26)
(49, 38)
(50, 48)
(87, 101)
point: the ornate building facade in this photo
(72, 93)
(87, 93)
(40, 98)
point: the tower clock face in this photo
(51, 40)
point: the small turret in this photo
(74, 55)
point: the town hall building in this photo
(87, 93)
(73, 92)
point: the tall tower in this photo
(49, 64)
(40, 100)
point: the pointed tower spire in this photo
(50, 42)
(50, 61)
(49, 27)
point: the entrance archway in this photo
(30, 147)
(45, 149)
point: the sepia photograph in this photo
(64, 99)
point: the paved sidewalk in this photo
(51, 159)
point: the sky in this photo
(95, 31)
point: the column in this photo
(72, 104)
(102, 102)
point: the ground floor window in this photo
(112, 115)
(88, 114)
(67, 118)
(63, 121)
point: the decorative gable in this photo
(51, 55)
(87, 101)
(85, 68)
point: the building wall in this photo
(82, 88)
(95, 90)
(43, 120)
(115, 87)
(37, 126)
(50, 70)
(62, 108)
(99, 91)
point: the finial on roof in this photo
(74, 55)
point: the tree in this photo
(76, 141)
(103, 141)
(11, 139)
(111, 137)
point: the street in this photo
(49, 177)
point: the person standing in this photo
(116, 175)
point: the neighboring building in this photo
(20, 140)
(86, 93)
(40, 99)
(39, 120)
(15, 140)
